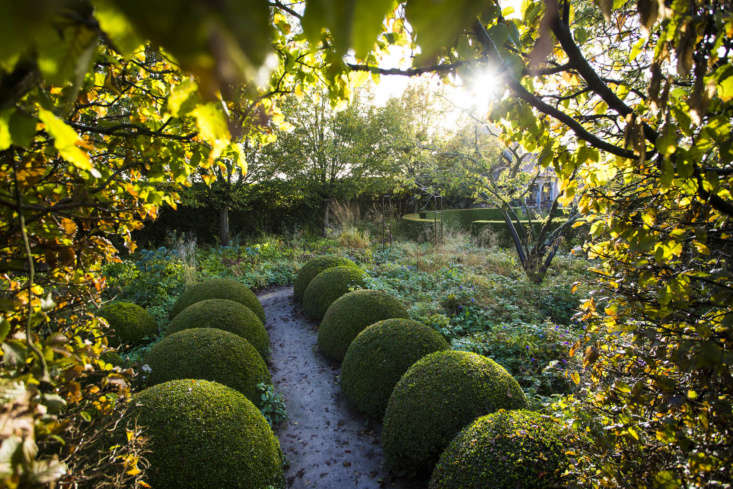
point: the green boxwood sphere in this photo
(204, 435)
(219, 288)
(328, 286)
(130, 323)
(227, 315)
(436, 398)
(313, 268)
(379, 356)
(504, 450)
(209, 354)
(350, 314)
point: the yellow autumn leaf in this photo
(66, 141)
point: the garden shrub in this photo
(204, 435)
(328, 286)
(350, 314)
(379, 356)
(313, 268)
(504, 450)
(436, 398)
(219, 288)
(209, 354)
(130, 323)
(227, 315)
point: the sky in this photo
(473, 94)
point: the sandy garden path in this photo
(327, 444)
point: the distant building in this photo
(546, 187)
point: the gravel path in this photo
(327, 444)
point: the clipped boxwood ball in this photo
(436, 398)
(209, 354)
(204, 435)
(219, 288)
(350, 314)
(227, 315)
(130, 323)
(504, 450)
(328, 286)
(313, 268)
(379, 356)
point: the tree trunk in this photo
(326, 219)
(224, 236)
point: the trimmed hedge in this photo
(313, 268)
(209, 354)
(436, 398)
(219, 288)
(130, 323)
(227, 315)
(504, 450)
(350, 314)
(379, 356)
(328, 286)
(204, 435)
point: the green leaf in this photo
(4, 329)
(5, 139)
(368, 18)
(182, 98)
(66, 56)
(65, 141)
(667, 141)
(499, 34)
(116, 26)
(725, 88)
(212, 126)
(22, 128)
(437, 23)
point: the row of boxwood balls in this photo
(200, 413)
(457, 414)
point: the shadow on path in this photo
(327, 444)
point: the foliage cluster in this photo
(435, 399)
(271, 404)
